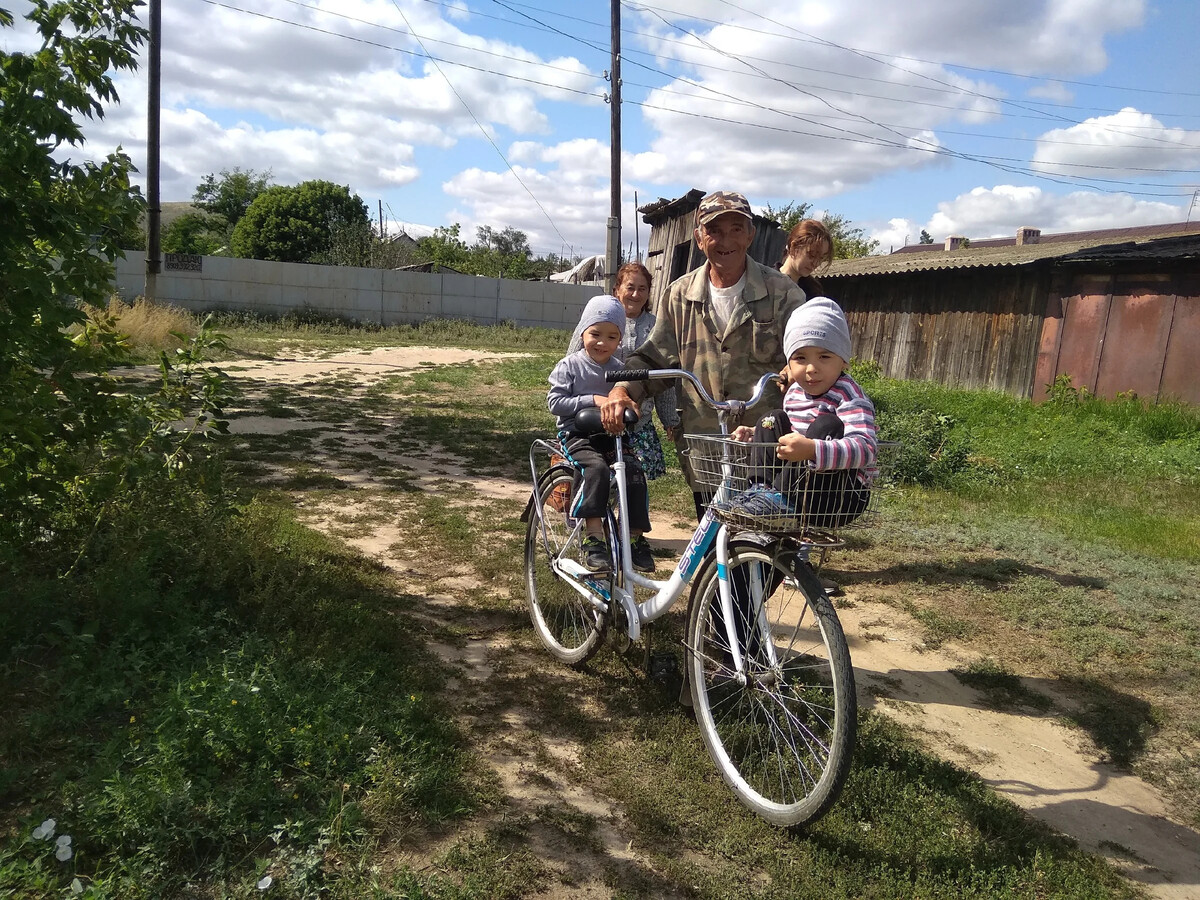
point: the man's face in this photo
(725, 241)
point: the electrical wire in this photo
(484, 131)
(904, 143)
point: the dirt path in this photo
(1045, 767)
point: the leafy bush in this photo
(933, 451)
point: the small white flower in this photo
(64, 840)
(63, 853)
(45, 831)
(76, 886)
(265, 882)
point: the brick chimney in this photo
(954, 241)
(1028, 235)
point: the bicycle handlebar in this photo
(734, 406)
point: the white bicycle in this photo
(770, 676)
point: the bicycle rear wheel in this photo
(783, 739)
(570, 627)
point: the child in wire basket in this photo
(577, 383)
(819, 469)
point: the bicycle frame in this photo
(709, 532)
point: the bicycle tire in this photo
(783, 741)
(571, 629)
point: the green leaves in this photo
(63, 226)
(296, 224)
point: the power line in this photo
(429, 40)
(484, 132)
(828, 137)
(1193, 148)
(953, 90)
(878, 56)
(905, 143)
(863, 54)
(1002, 163)
(424, 55)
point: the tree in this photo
(230, 194)
(445, 248)
(296, 224)
(509, 242)
(196, 233)
(789, 215)
(504, 254)
(848, 242)
(925, 237)
(63, 223)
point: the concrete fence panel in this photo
(381, 296)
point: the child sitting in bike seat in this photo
(576, 383)
(823, 461)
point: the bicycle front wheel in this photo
(783, 735)
(570, 627)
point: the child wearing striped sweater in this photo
(822, 461)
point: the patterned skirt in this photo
(649, 451)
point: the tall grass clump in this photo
(151, 327)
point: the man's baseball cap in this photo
(720, 202)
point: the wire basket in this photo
(756, 491)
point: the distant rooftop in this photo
(1004, 251)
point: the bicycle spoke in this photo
(782, 738)
(569, 626)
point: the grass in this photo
(218, 697)
(251, 704)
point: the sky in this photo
(971, 118)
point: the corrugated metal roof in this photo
(986, 257)
(971, 257)
(1098, 236)
(1183, 247)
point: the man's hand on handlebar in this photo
(612, 410)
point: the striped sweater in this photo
(846, 400)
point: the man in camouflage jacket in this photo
(727, 360)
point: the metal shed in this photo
(1115, 317)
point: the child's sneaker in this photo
(766, 505)
(641, 555)
(732, 502)
(596, 556)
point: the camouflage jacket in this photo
(728, 365)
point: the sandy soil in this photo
(1047, 768)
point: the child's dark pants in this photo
(591, 456)
(822, 499)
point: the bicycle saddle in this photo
(587, 420)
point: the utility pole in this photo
(612, 255)
(154, 207)
(637, 236)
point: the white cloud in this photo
(1001, 210)
(820, 118)
(576, 200)
(896, 234)
(1129, 142)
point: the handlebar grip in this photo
(627, 375)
